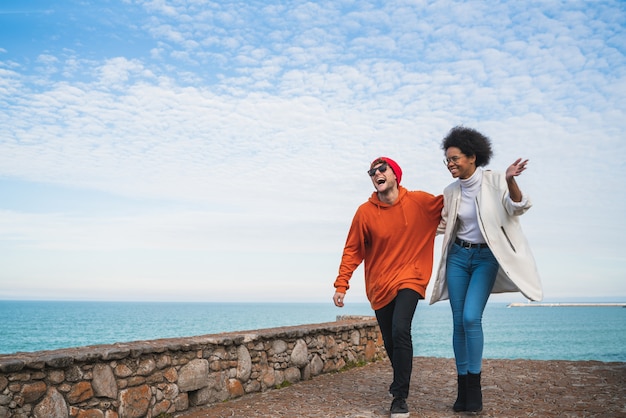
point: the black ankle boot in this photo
(474, 393)
(461, 397)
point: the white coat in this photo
(499, 224)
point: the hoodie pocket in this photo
(508, 239)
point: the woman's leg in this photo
(484, 271)
(470, 275)
(458, 275)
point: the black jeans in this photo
(394, 321)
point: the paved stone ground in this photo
(511, 388)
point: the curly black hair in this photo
(470, 142)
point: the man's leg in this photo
(384, 316)
(405, 304)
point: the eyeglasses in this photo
(382, 168)
(455, 159)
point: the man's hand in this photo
(338, 299)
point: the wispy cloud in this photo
(250, 126)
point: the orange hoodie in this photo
(396, 241)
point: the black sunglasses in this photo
(382, 168)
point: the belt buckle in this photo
(466, 244)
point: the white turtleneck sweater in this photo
(468, 219)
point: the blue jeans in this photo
(470, 273)
(394, 321)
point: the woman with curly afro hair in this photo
(484, 250)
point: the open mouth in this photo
(380, 181)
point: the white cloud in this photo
(255, 124)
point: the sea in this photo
(538, 333)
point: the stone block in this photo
(235, 389)
(278, 347)
(56, 376)
(181, 403)
(299, 354)
(104, 384)
(169, 391)
(171, 375)
(53, 405)
(317, 365)
(90, 413)
(161, 407)
(252, 386)
(268, 376)
(193, 375)
(146, 367)
(200, 397)
(32, 392)
(80, 392)
(292, 375)
(111, 414)
(244, 363)
(370, 351)
(355, 338)
(11, 365)
(134, 402)
(122, 370)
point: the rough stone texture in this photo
(244, 364)
(300, 354)
(52, 406)
(104, 385)
(91, 413)
(134, 402)
(235, 389)
(278, 347)
(511, 388)
(161, 407)
(316, 365)
(143, 379)
(146, 367)
(33, 392)
(194, 375)
(80, 392)
(370, 351)
(293, 375)
(355, 337)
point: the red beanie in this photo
(391, 163)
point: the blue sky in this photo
(216, 150)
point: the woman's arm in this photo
(513, 171)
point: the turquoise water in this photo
(540, 333)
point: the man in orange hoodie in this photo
(394, 233)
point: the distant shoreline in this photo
(566, 305)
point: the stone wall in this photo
(167, 376)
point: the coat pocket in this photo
(508, 239)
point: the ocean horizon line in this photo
(598, 300)
(567, 305)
